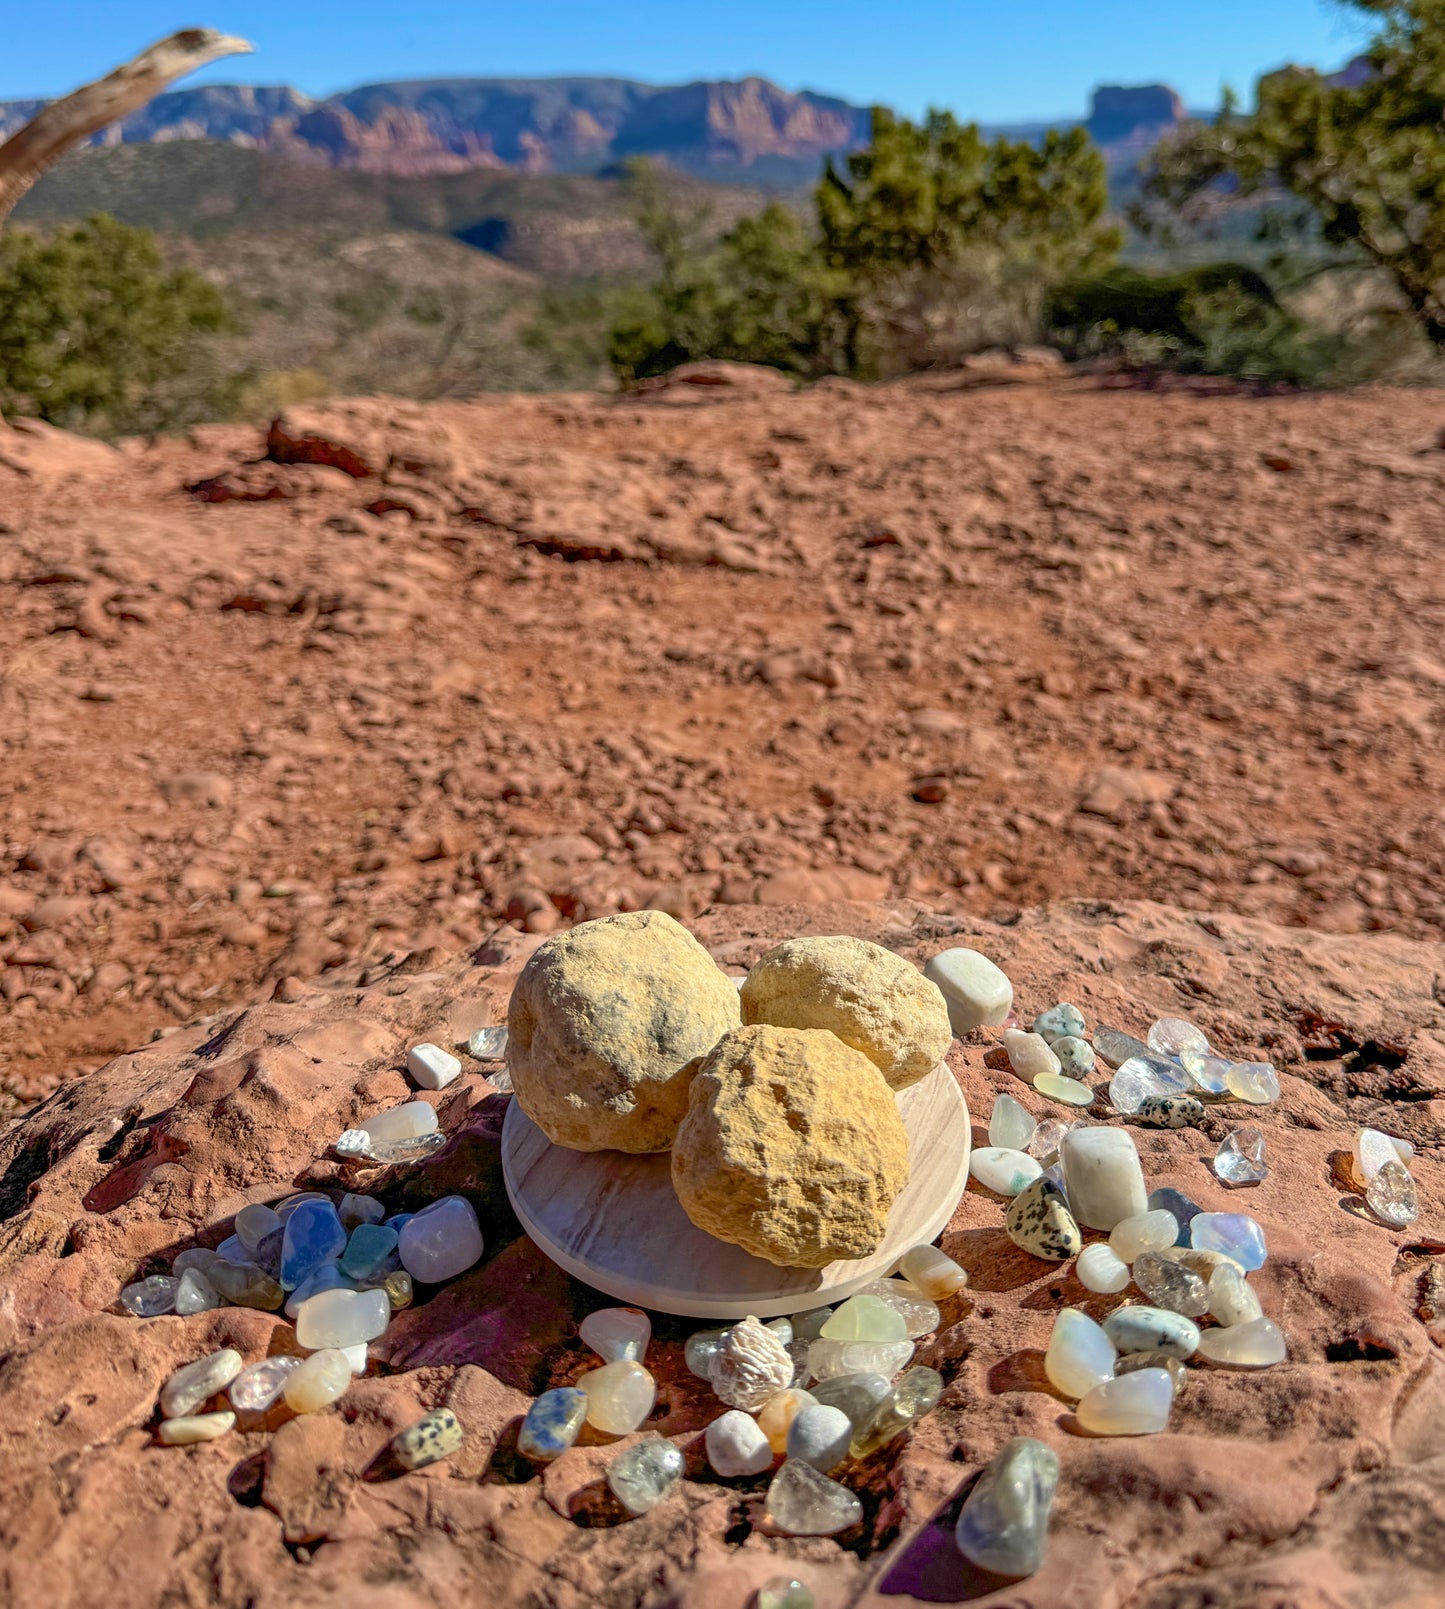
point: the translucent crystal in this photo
(856, 1394)
(1132, 1362)
(198, 1257)
(314, 1235)
(1255, 1345)
(807, 1326)
(801, 1502)
(341, 1319)
(819, 1435)
(1253, 1081)
(930, 1271)
(1005, 1172)
(1135, 1404)
(781, 1327)
(702, 1346)
(1232, 1233)
(1372, 1150)
(778, 1412)
(397, 1286)
(1102, 1176)
(435, 1436)
(326, 1278)
(1010, 1126)
(235, 1250)
(915, 1396)
(1183, 1209)
(1068, 1090)
(783, 1592)
(1170, 1285)
(1101, 1269)
(1209, 1073)
(431, 1067)
(441, 1241)
(1079, 1353)
(642, 1475)
(1029, 1054)
(195, 1293)
(370, 1250)
(193, 1428)
(285, 1208)
(198, 1382)
(1059, 1022)
(1048, 1136)
(736, 1445)
(150, 1297)
(829, 1358)
(920, 1316)
(409, 1121)
(1146, 1231)
(358, 1357)
(619, 1396)
(1392, 1197)
(418, 1148)
(1152, 1329)
(553, 1423)
(1172, 1036)
(488, 1044)
(617, 1332)
(500, 1080)
(1117, 1047)
(1143, 1076)
(865, 1318)
(1004, 1521)
(356, 1209)
(245, 1285)
(320, 1380)
(1231, 1298)
(1240, 1157)
(258, 1387)
(254, 1223)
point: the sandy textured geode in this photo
(607, 1023)
(792, 1147)
(869, 997)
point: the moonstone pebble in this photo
(702, 1346)
(198, 1257)
(975, 991)
(314, 1235)
(1004, 1521)
(1392, 1197)
(436, 1436)
(819, 1436)
(642, 1475)
(431, 1067)
(1029, 1054)
(803, 1502)
(259, 1386)
(865, 1318)
(916, 1395)
(1134, 1404)
(784, 1592)
(619, 1396)
(1232, 1233)
(1142, 1076)
(1069, 1090)
(1010, 1126)
(195, 1293)
(1132, 1362)
(198, 1382)
(353, 1210)
(1254, 1081)
(1153, 1230)
(1232, 1299)
(342, 1318)
(245, 1285)
(1076, 1056)
(1005, 1172)
(488, 1044)
(1172, 1036)
(1170, 1285)
(1102, 1176)
(1170, 1112)
(1079, 1355)
(1117, 1047)
(1240, 1157)
(319, 1381)
(736, 1445)
(1209, 1073)
(183, 1432)
(617, 1332)
(1184, 1210)
(150, 1297)
(441, 1241)
(358, 1358)
(1038, 1219)
(254, 1223)
(1255, 1345)
(553, 1423)
(371, 1250)
(1152, 1329)
(406, 1122)
(326, 1278)
(856, 1394)
(1101, 1269)
(920, 1316)
(931, 1271)
(778, 1412)
(1373, 1149)
(826, 1359)
(235, 1250)
(808, 1326)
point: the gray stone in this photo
(1004, 1521)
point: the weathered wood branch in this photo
(85, 111)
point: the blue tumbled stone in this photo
(553, 1423)
(368, 1250)
(1184, 1210)
(314, 1235)
(1233, 1233)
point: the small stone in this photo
(398, 1288)
(642, 1475)
(314, 1235)
(802, 1502)
(553, 1423)
(1079, 1355)
(1102, 1176)
(827, 1359)
(1029, 1054)
(702, 1346)
(235, 1250)
(1117, 1047)
(1202, 1263)
(326, 1278)
(1142, 1077)
(195, 1293)
(254, 1223)
(285, 1208)
(1068, 1090)
(185, 1431)
(736, 1445)
(865, 1318)
(1232, 1299)
(1004, 1521)
(353, 1210)
(441, 1241)
(198, 1257)
(920, 1316)
(617, 1332)
(1132, 1362)
(975, 991)
(1254, 1081)
(1004, 1172)
(753, 1364)
(319, 1381)
(1232, 1233)
(431, 1067)
(358, 1358)
(778, 1413)
(488, 1044)
(783, 1592)
(1255, 1345)
(1183, 1209)
(809, 1325)
(394, 1153)
(1038, 1219)
(1209, 1073)
(915, 1396)
(1010, 1127)
(1136, 1404)
(782, 1328)
(352, 1144)
(1170, 1112)
(1076, 1056)
(1170, 1285)
(1392, 1196)
(1240, 1157)
(1101, 1269)
(1373, 1149)
(1060, 1022)
(1048, 1137)
(342, 1318)
(1172, 1036)
(819, 1436)
(1154, 1230)
(245, 1285)
(150, 1297)
(411, 1121)
(436, 1436)
(259, 1387)
(929, 1270)
(619, 1396)
(857, 1395)
(1152, 1329)
(370, 1251)
(198, 1382)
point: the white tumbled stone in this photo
(1154, 1230)
(1232, 1299)
(1253, 1345)
(191, 1428)
(342, 1318)
(441, 1241)
(976, 991)
(431, 1067)
(1006, 1172)
(1101, 1269)
(198, 1382)
(1080, 1356)
(819, 1436)
(736, 1445)
(1136, 1404)
(1102, 1176)
(1030, 1054)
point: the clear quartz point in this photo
(1240, 1157)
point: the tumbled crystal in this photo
(808, 1325)
(1143, 1076)
(619, 1396)
(431, 1067)
(1010, 1127)
(355, 1209)
(865, 1318)
(326, 1278)
(779, 1411)
(369, 1251)
(1232, 1300)
(1172, 1036)
(358, 1356)
(1029, 1054)
(235, 1250)
(1151, 1230)
(617, 1332)
(1240, 1157)
(436, 1436)
(397, 1286)
(1170, 1285)
(259, 1386)
(1254, 1345)
(1392, 1197)
(1177, 1203)
(1210, 1074)
(819, 1435)
(783, 1592)
(1152, 1329)
(1068, 1090)
(929, 1270)
(553, 1423)
(1372, 1150)
(1059, 1022)
(920, 1316)
(1102, 1176)
(802, 1502)
(1004, 1521)
(285, 1208)
(1101, 1269)
(915, 1396)
(1079, 1353)
(1253, 1081)
(642, 1475)
(737, 1445)
(702, 1346)
(342, 1318)
(198, 1257)
(245, 1285)
(1038, 1219)
(150, 1297)
(1232, 1233)
(441, 1241)
(782, 1328)
(1048, 1136)
(254, 1223)
(1117, 1047)
(416, 1149)
(827, 1359)
(488, 1044)
(1170, 1112)
(1132, 1362)
(320, 1380)
(314, 1235)
(1135, 1404)
(1004, 1172)
(409, 1121)
(1076, 1056)
(198, 1382)
(186, 1431)
(857, 1395)
(195, 1293)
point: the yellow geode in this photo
(869, 997)
(792, 1147)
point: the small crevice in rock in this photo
(1357, 1351)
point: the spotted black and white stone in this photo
(1039, 1220)
(1170, 1112)
(437, 1436)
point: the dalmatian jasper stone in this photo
(1170, 1112)
(437, 1436)
(1039, 1220)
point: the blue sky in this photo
(986, 59)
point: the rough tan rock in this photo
(608, 1023)
(792, 1147)
(869, 997)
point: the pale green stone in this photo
(865, 1318)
